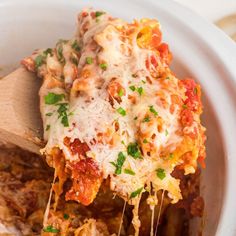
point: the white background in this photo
(211, 9)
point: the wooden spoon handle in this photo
(20, 120)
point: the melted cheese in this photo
(91, 111)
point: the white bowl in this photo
(200, 51)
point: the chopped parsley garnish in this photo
(74, 60)
(39, 61)
(145, 141)
(166, 132)
(195, 90)
(144, 82)
(76, 46)
(140, 90)
(121, 92)
(120, 162)
(64, 121)
(53, 98)
(62, 111)
(60, 53)
(129, 172)
(151, 109)
(171, 155)
(49, 114)
(161, 173)
(50, 229)
(167, 77)
(133, 150)
(48, 51)
(136, 193)
(185, 106)
(89, 60)
(99, 13)
(146, 119)
(48, 127)
(132, 87)
(66, 216)
(103, 66)
(121, 111)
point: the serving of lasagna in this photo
(122, 132)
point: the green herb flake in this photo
(185, 106)
(146, 119)
(89, 60)
(171, 155)
(47, 127)
(113, 163)
(136, 193)
(123, 142)
(132, 87)
(121, 111)
(48, 51)
(64, 121)
(103, 66)
(76, 46)
(53, 98)
(143, 81)
(62, 112)
(120, 162)
(121, 92)
(39, 60)
(50, 229)
(167, 77)
(129, 172)
(74, 60)
(66, 216)
(151, 109)
(145, 141)
(140, 90)
(60, 53)
(195, 90)
(62, 109)
(133, 150)
(99, 13)
(161, 173)
(166, 132)
(49, 114)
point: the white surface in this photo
(211, 9)
(200, 50)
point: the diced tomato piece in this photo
(84, 14)
(193, 99)
(87, 179)
(154, 61)
(165, 53)
(77, 147)
(186, 117)
(156, 37)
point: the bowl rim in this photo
(224, 50)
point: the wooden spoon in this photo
(20, 120)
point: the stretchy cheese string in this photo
(121, 222)
(159, 213)
(45, 218)
(152, 219)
